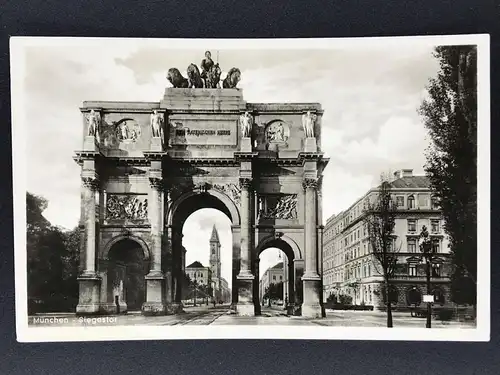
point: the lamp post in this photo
(425, 244)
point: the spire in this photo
(215, 235)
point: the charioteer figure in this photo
(206, 65)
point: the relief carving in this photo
(233, 191)
(125, 206)
(282, 206)
(124, 131)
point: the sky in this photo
(370, 97)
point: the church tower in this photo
(215, 262)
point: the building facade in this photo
(200, 274)
(349, 267)
(273, 275)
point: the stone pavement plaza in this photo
(203, 315)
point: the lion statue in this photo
(194, 76)
(232, 79)
(176, 79)
(213, 77)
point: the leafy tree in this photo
(274, 291)
(450, 116)
(379, 219)
(52, 261)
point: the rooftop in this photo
(215, 235)
(195, 264)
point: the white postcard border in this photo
(26, 333)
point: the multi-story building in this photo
(349, 266)
(273, 275)
(199, 273)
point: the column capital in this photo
(310, 183)
(91, 183)
(245, 182)
(156, 183)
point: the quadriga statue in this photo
(176, 79)
(194, 76)
(232, 79)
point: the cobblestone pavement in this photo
(220, 315)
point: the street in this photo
(221, 315)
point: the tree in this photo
(274, 291)
(450, 116)
(52, 261)
(428, 253)
(379, 219)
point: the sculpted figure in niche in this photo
(194, 76)
(246, 122)
(156, 123)
(176, 79)
(93, 120)
(308, 121)
(232, 79)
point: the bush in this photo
(344, 299)
(445, 314)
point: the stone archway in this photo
(127, 267)
(292, 292)
(180, 209)
(261, 164)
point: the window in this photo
(400, 201)
(281, 277)
(213, 251)
(274, 277)
(435, 203)
(438, 296)
(436, 244)
(412, 245)
(423, 200)
(411, 202)
(435, 226)
(436, 270)
(412, 225)
(412, 269)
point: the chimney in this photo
(406, 172)
(403, 173)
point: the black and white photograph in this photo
(251, 188)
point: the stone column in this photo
(155, 279)
(89, 281)
(311, 306)
(245, 278)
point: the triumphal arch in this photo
(147, 166)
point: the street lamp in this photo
(425, 244)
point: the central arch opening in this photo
(204, 265)
(126, 274)
(207, 242)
